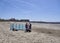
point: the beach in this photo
(41, 33)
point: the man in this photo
(28, 27)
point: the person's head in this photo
(27, 23)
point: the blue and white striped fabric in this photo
(11, 26)
(17, 26)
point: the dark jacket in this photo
(30, 26)
(26, 26)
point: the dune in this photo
(41, 33)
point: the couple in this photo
(28, 27)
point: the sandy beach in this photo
(41, 33)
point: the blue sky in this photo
(38, 10)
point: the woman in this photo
(28, 27)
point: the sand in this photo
(38, 34)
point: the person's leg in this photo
(26, 30)
(29, 30)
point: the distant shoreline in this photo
(32, 22)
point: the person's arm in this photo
(30, 26)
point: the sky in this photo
(34, 10)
